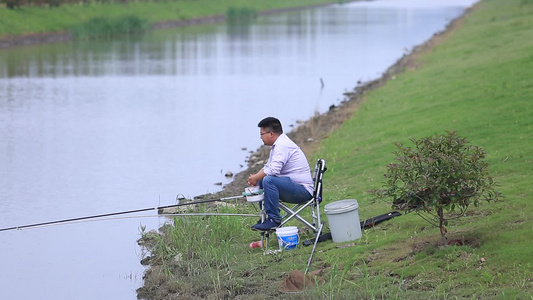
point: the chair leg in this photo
(294, 214)
(265, 235)
(264, 240)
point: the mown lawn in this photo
(478, 82)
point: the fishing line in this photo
(72, 220)
(84, 221)
(212, 214)
(139, 217)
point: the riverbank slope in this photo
(475, 78)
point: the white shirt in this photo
(287, 159)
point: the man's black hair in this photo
(271, 124)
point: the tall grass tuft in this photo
(104, 27)
(199, 247)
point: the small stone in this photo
(146, 261)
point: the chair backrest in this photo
(320, 169)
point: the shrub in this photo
(240, 14)
(441, 173)
(104, 27)
(11, 4)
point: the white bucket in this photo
(287, 237)
(343, 220)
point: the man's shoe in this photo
(258, 222)
(266, 226)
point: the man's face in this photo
(267, 136)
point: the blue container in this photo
(287, 237)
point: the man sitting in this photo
(286, 175)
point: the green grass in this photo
(479, 82)
(28, 20)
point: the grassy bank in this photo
(31, 20)
(478, 81)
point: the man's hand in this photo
(251, 180)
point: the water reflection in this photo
(185, 52)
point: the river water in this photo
(98, 127)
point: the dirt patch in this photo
(430, 246)
(464, 241)
(34, 39)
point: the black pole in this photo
(116, 213)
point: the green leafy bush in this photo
(442, 173)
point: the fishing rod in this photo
(120, 213)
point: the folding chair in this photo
(293, 212)
(314, 203)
